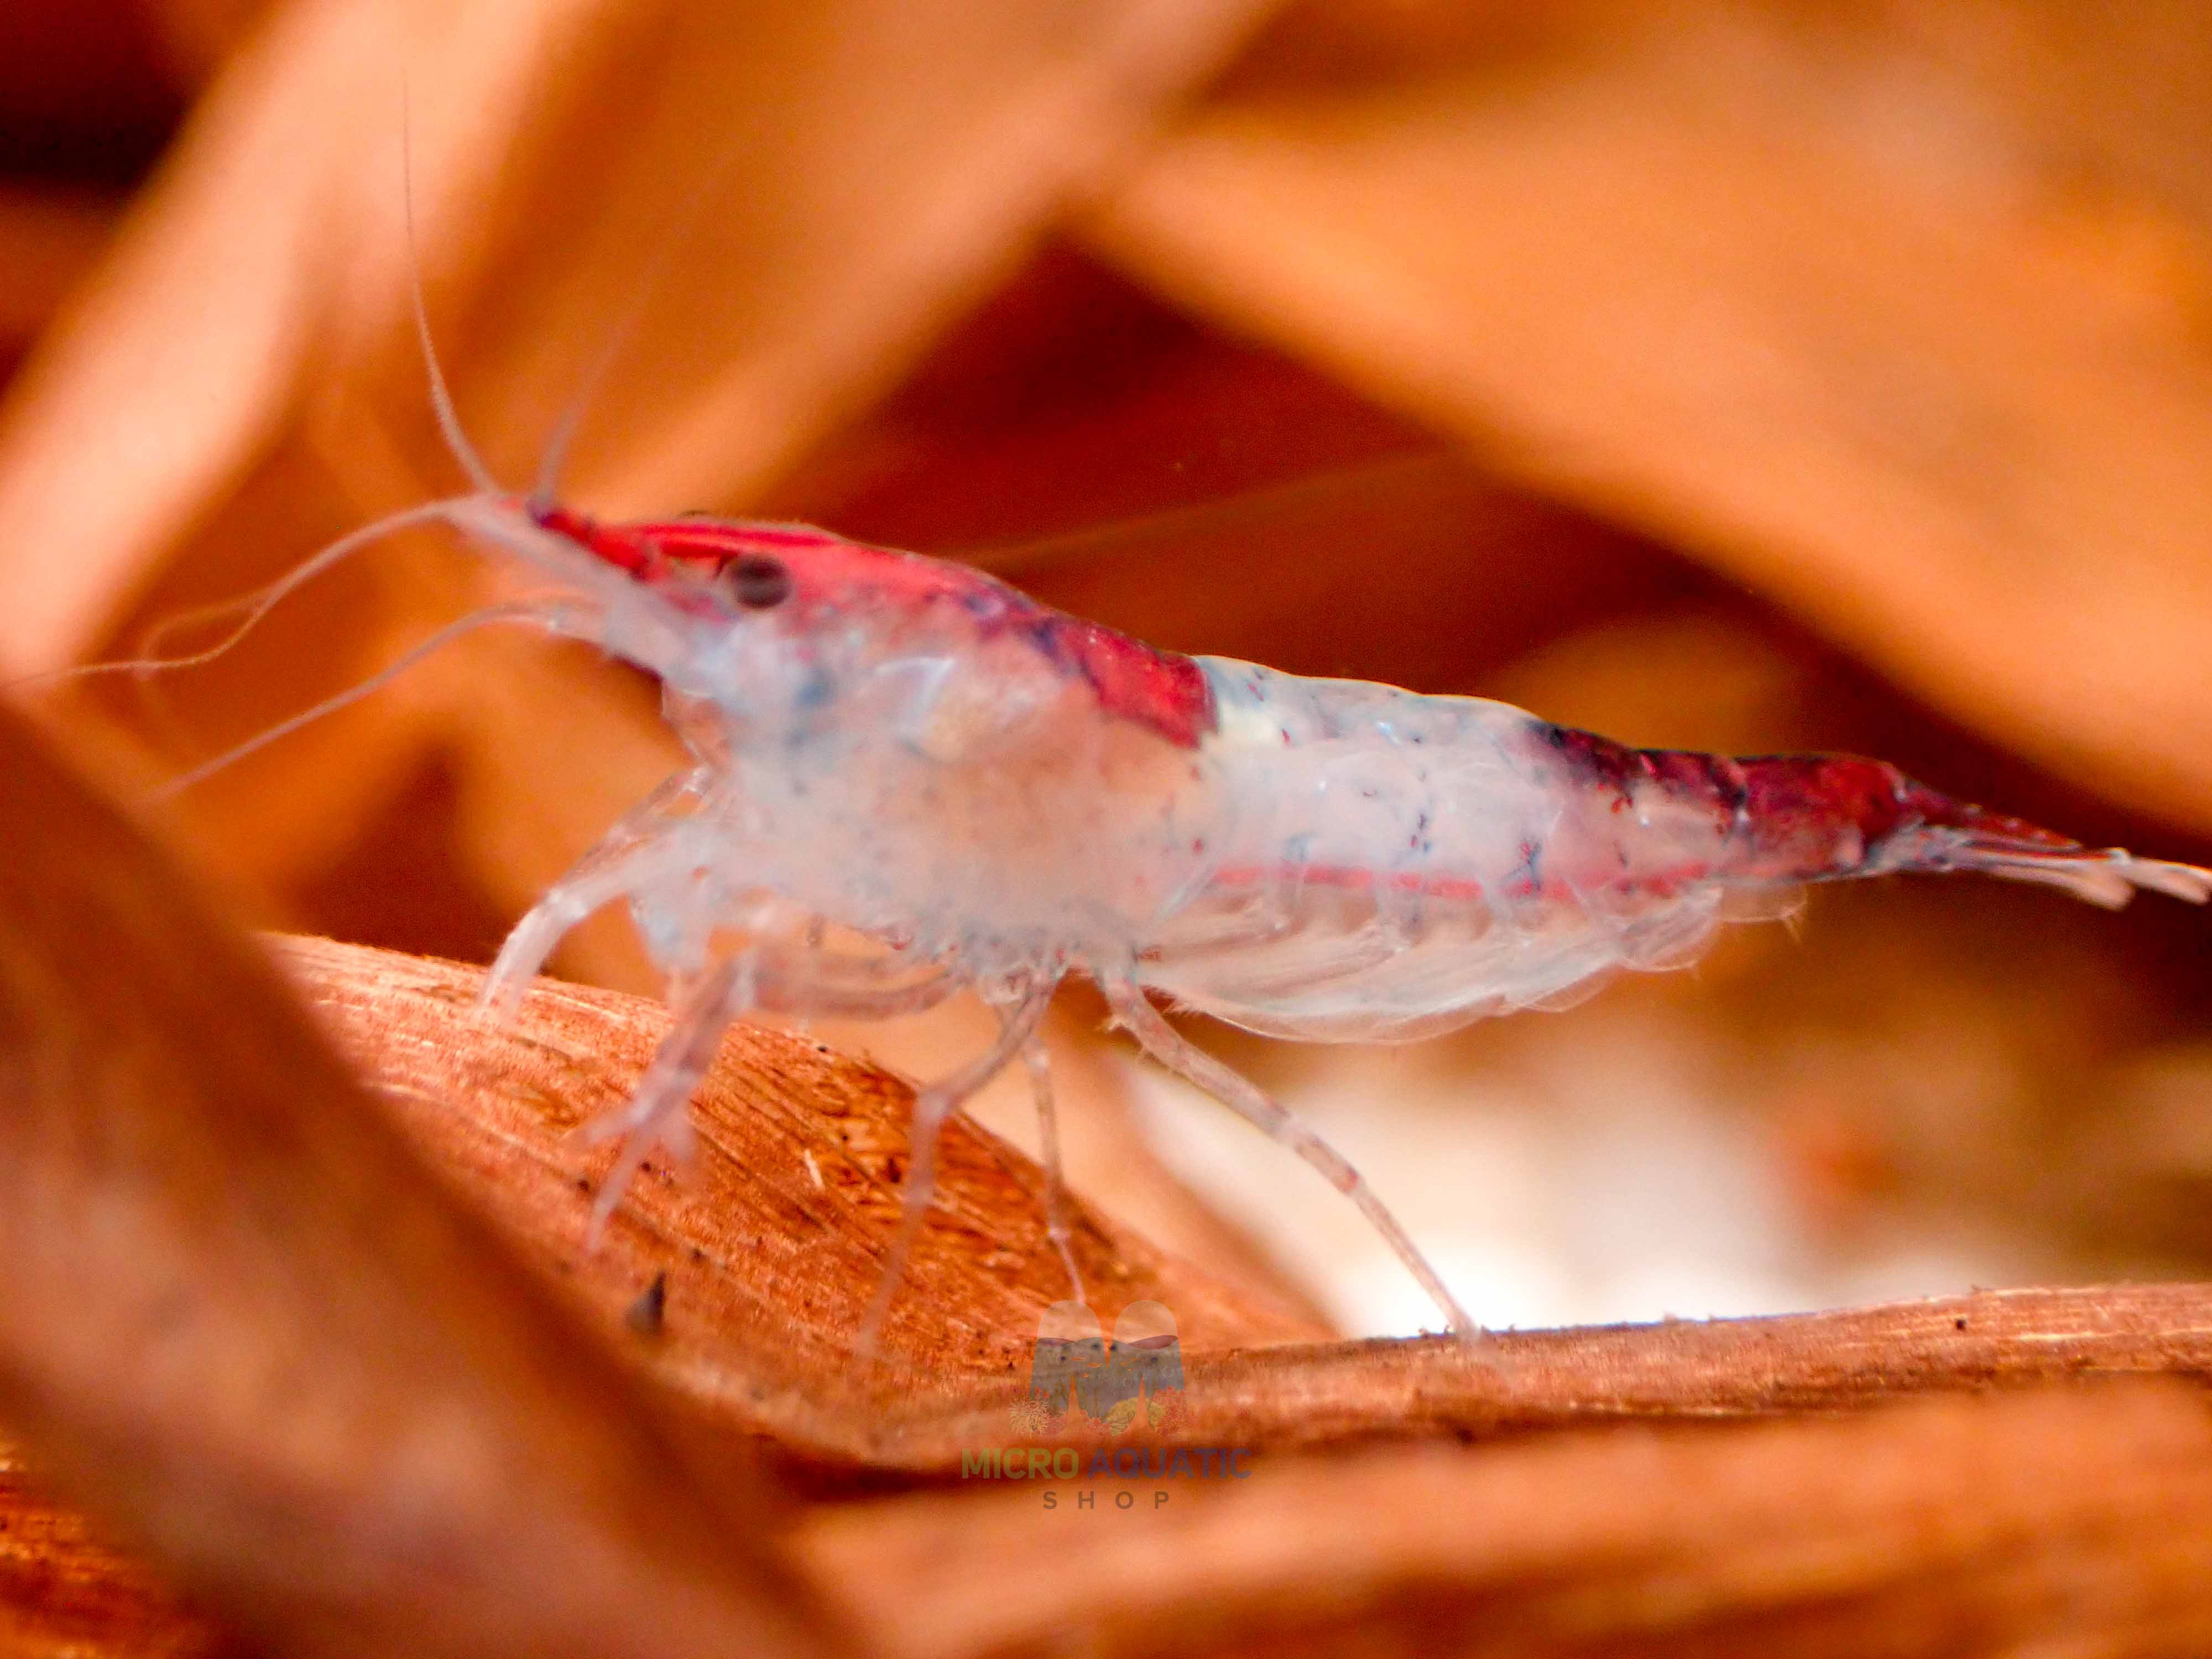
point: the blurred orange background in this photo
(1748, 376)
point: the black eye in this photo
(757, 583)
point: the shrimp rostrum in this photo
(909, 780)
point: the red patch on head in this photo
(623, 546)
(1158, 689)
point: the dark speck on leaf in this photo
(645, 1314)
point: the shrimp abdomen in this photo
(1403, 864)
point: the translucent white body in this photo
(1388, 865)
(1337, 860)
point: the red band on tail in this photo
(1848, 813)
(1790, 818)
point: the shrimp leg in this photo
(762, 978)
(656, 1114)
(1019, 1009)
(1039, 1062)
(609, 872)
(1193, 1065)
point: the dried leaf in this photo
(1851, 326)
(248, 1329)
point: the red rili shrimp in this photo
(999, 796)
(967, 791)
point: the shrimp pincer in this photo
(971, 791)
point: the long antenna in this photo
(441, 399)
(257, 603)
(1029, 555)
(518, 611)
(546, 492)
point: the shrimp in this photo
(971, 791)
(976, 792)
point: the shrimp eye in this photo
(757, 583)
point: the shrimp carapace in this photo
(820, 576)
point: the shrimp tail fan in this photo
(1954, 836)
